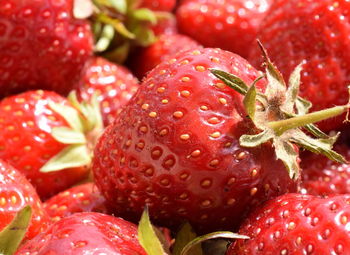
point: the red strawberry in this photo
(324, 44)
(82, 198)
(145, 59)
(165, 25)
(158, 5)
(15, 193)
(297, 224)
(41, 46)
(86, 233)
(175, 147)
(113, 84)
(228, 24)
(42, 135)
(324, 177)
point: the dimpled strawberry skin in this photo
(317, 32)
(15, 193)
(114, 85)
(297, 224)
(175, 148)
(41, 46)
(82, 198)
(26, 123)
(86, 233)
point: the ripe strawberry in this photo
(113, 83)
(86, 233)
(228, 24)
(41, 134)
(324, 44)
(41, 46)
(145, 59)
(15, 193)
(158, 5)
(324, 177)
(165, 25)
(82, 198)
(297, 224)
(175, 147)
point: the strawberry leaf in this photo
(12, 235)
(231, 80)
(185, 235)
(148, 237)
(105, 39)
(82, 9)
(249, 101)
(69, 157)
(67, 135)
(293, 90)
(120, 5)
(256, 140)
(117, 24)
(70, 114)
(145, 14)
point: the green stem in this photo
(281, 126)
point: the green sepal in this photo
(249, 102)
(144, 36)
(72, 156)
(145, 15)
(187, 250)
(286, 152)
(256, 140)
(12, 235)
(293, 90)
(148, 237)
(120, 5)
(185, 235)
(67, 135)
(105, 39)
(118, 54)
(70, 114)
(117, 24)
(231, 80)
(82, 9)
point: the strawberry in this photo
(324, 44)
(158, 5)
(42, 135)
(82, 198)
(297, 224)
(324, 177)
(176, 146)
(86, 233)
(165, 25)
(145, 59)
(41, 46)
(15, 193)
(228, 24)
(113, 84)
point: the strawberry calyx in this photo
(279, 113)
(118, 25)
(12, 235)
(84, 127)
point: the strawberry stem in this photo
(282, 126)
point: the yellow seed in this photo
(206, 183)
(195, 153)
(185, 136)
(162, 71)
(291, 225)
(220, 85)
(231, 201)
(145, 106)
(163, 132)
(196, 52)
(143, 129)
(185, 79)
(165, 182)
(214, 120)
(204, 108)
(206, 203)
(2, 201)
(178, 114)
(214, 162)
(253, 191)
(344, 219)
(216, 60)
(27, 148)
(18, 113)
(160, 89)
(14, 199)
(223, 100)
(140, 145)
(254, 172)
(184, 62)
(185, 93)
(216, 134)
(165, 101)
(200, 68)
(10, 127)
(231, 181)
(152, 114)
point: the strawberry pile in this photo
(164, 127)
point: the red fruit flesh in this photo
(158, 5)
(315, 31)
(324, 177)
(145, 59)
(82, 198)
(229, 24)
(297, 224)
(26, 123)
(113, 84)
(86, 233)
(15, 193)
(175, 148)
(166, 25)
(41, 46)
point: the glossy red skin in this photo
(324, 177)
(82, 198)
(166, 25)
(114, 84)
(213, 189)
(15, 193)
(167, 45)
(320, 227)
(158, 5)
(41, 46)
(229, 24)
(86, 233)
(315, 31)
(26, 122)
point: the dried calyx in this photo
(118, 25)
(80, 136)
(280, 113)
